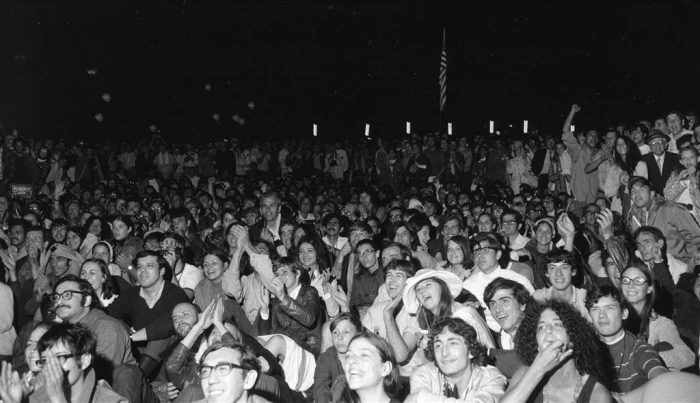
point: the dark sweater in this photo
(328, 368)
(132, 309)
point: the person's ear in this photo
(498, 255)
(85, 361)
(87, 301)
(249, 380)
(162, 271)
(625, 313)
(386, 368)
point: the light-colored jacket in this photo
(486, 385)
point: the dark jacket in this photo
(299, 318)
(658, 179)
(328, 368)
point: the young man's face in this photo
(357, 236)
(607, 316)
(648, 246)
(269, 208)
(148, 271)
(485, 256)
(395, 282)
(559, 274)
(390, 253)
(450, 229)
(550, 329)
(641, 196)
(674, 123)
(506, 309)
(509, 225)
(17, 235)
(72, 366)
(367, 255)
(224, 388)
(451, 353)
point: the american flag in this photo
(443, 74)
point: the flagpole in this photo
(443, 80)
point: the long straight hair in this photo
(386, 354)
(425, 317)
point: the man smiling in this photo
(458, 370)
(676, 223)
(228, 372)
(388, 319)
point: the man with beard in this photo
(181, 366)
(675, 222)
(388, 319)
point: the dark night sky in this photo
(339, 64)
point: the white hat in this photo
(410, 300)
(415, 204)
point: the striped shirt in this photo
(635, 362)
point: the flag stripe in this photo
(443, 75)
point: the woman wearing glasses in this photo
(637, 284)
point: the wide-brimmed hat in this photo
(410, 300)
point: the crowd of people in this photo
(429, 268)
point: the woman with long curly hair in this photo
(562, 357)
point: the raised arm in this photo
(570, 118)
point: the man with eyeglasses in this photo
(486, 252)
(228, 372)
(511, 223)
(369, 278)
(67, 364)
(74, 302)
(659, 162)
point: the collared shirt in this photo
(485, 385)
